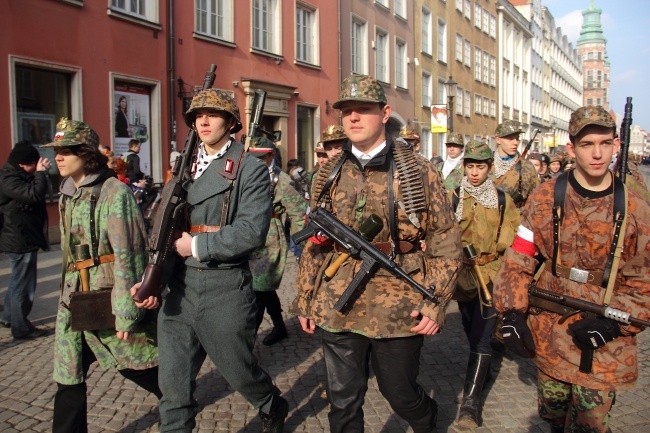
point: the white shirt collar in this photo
(365, 157)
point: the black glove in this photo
(516, 334)
(590, 334)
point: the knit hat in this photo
(24, 152)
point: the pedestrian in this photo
(268, 262)
(387, 322)
(536, 159)
(575, 228)
(452, 167)
(554, 167)
(516, 176)
(210, 307)
(488, 222)
(23, 231)
(98, 211)
(132, 160)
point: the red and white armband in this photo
(524, 241)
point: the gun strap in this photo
(501, 203)
(558, 213)
(519, 182)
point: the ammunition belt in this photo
(410, 178)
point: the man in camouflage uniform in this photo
(488, 221)
(210, 306)
(117, 228)
(267, 263)
(575, 395)
(452, 167)
(332, 139)
(514, 175)
(388, 320)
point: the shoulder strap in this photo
(455, 199)
(501, 200)
(558, 213)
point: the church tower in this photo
(592, 47)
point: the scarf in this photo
(501, 166)
(203, 160)
(450, 164)
(485, 194)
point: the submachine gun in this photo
(170, 216)
(355, 246)
(255, 126)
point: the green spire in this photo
(591, 31)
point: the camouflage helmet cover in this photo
(508, 127)
(333, 133)
(260, 146)
(456, 139)
(73, 133)
(213, 99)
(319, 148)
(478, 151)
(408, 134)
(589, 115)
(361, 88)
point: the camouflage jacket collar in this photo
(379, 160)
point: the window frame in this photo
(382, 52)
(442, 40)
(358, 45)
(227, 26)
(273, 19)
(427, 32)
(313, 36)
(401, 47)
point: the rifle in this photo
(255, 125)
(567, 306)
(470, 254)
(529, 145)
(356, 246)
(626, 124)
(170, 215)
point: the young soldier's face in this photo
(68, 163)
(507, 146)
(321, 159)
(333, 148)
(477, 172)
(454, 151)
(537, 164)
(593, 150)
(555, 166)
(543, 169)
(364, 123)
(210, 125)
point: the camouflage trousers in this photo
(578, 409)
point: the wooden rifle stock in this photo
(169, 220)
(529, 145)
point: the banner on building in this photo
(132, 120)
(438, 119)
(549, 139)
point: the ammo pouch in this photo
(91, 311)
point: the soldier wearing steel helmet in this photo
(210, 307)
(388, 320)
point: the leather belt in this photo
(204, 229)
(402, 247)
(582, 276)
(85, 264)
(481, 260)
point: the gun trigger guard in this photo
(566, 316)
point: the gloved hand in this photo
(516, 334)
(590, 334)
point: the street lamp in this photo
(450, 85)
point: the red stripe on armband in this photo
(523, 246)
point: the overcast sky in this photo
(626, 25)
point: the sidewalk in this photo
(115, 405)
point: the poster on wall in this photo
(132, 121)
(438, 119)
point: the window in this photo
(358, 47)
(426, 31)
(383, 3)
(493, 108)
(486, 106)
(486, 22)
(477, 104)
(400, 64)
(459, 5)
(306, 35)
(426, 89)
(590, 101)
(467, 54)
(459, 101)
(400, 8)
(486, 68)
(307, 132)
(477, 15)
(265, 19)
(442, 41)
(493, 26)
(477, 63)
(468, 9)
(493, 71)
(459, 47)
(143, 9)
(381, 56)
(214, 18)
(467, 106)
(425, 141)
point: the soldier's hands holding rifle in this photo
(150, 303)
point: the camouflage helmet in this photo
(589, 115)
(73, 133)
(408, 134)
(261, 146)
(319, 148)
(456, 139)
(360, 88)
(333, 133)
(508, 127)
(478, 151)
(213, 99)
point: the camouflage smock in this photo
(455, 177)
(120, 231)
(385, 303)
(586, 236)
(478, 226)
(509, 182)
(267, 263)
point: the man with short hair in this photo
(23, 230)
(583, 235)
(514, 175)
(387, 322)
(452, 167)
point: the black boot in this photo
(279, 332)
(274, 421)
(557, 429)
(470, 408)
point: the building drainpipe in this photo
(172, 81)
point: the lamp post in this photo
(450, 85)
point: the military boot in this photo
(279, 332)
(273, 422)
(470, 407)
(557, 429)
